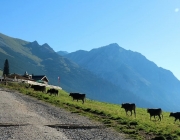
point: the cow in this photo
(38, 88)
(78, 96)
(53, 91)
(175, 115)
(129, 107)
(155, 112)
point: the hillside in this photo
(1, 72)
(132, 71)
(41, 59)
(62, 53)
(111, 115)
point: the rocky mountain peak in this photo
(35, 43)
(110, 49)
(132, 72)
(47, 47)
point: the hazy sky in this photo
(151, 27)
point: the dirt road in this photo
(25, 118)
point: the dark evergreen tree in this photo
(6, 67)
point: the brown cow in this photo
(129, 107)
(38, 88)
(155, 112)
(53, 91)
(78, 96)
(175, 115)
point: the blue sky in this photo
(151, 27)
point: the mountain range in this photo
(133, 72)
(108, 74)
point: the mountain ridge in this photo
(62, 53)
(108, 74)
(131, 71)
(41, 59)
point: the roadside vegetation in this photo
(111, 115)
(1, 72)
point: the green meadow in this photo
(111, 115)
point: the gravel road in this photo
(25, 118)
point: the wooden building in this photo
(36, 78)
(40, 79)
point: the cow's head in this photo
(171, 114)
(122, 106)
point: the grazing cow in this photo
(155, 112)
(52, 91)
(175, 115)
(78, 96)
(129, 107)
(38, 88)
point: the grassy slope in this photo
(1, 72)
(20, 57)
(17, 45)
(113, 116)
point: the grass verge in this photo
(111, 115)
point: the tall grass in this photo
(111, 115)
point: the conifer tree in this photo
(6, 67)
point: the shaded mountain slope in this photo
(132, 71)
(62, 53)
(41, 59)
